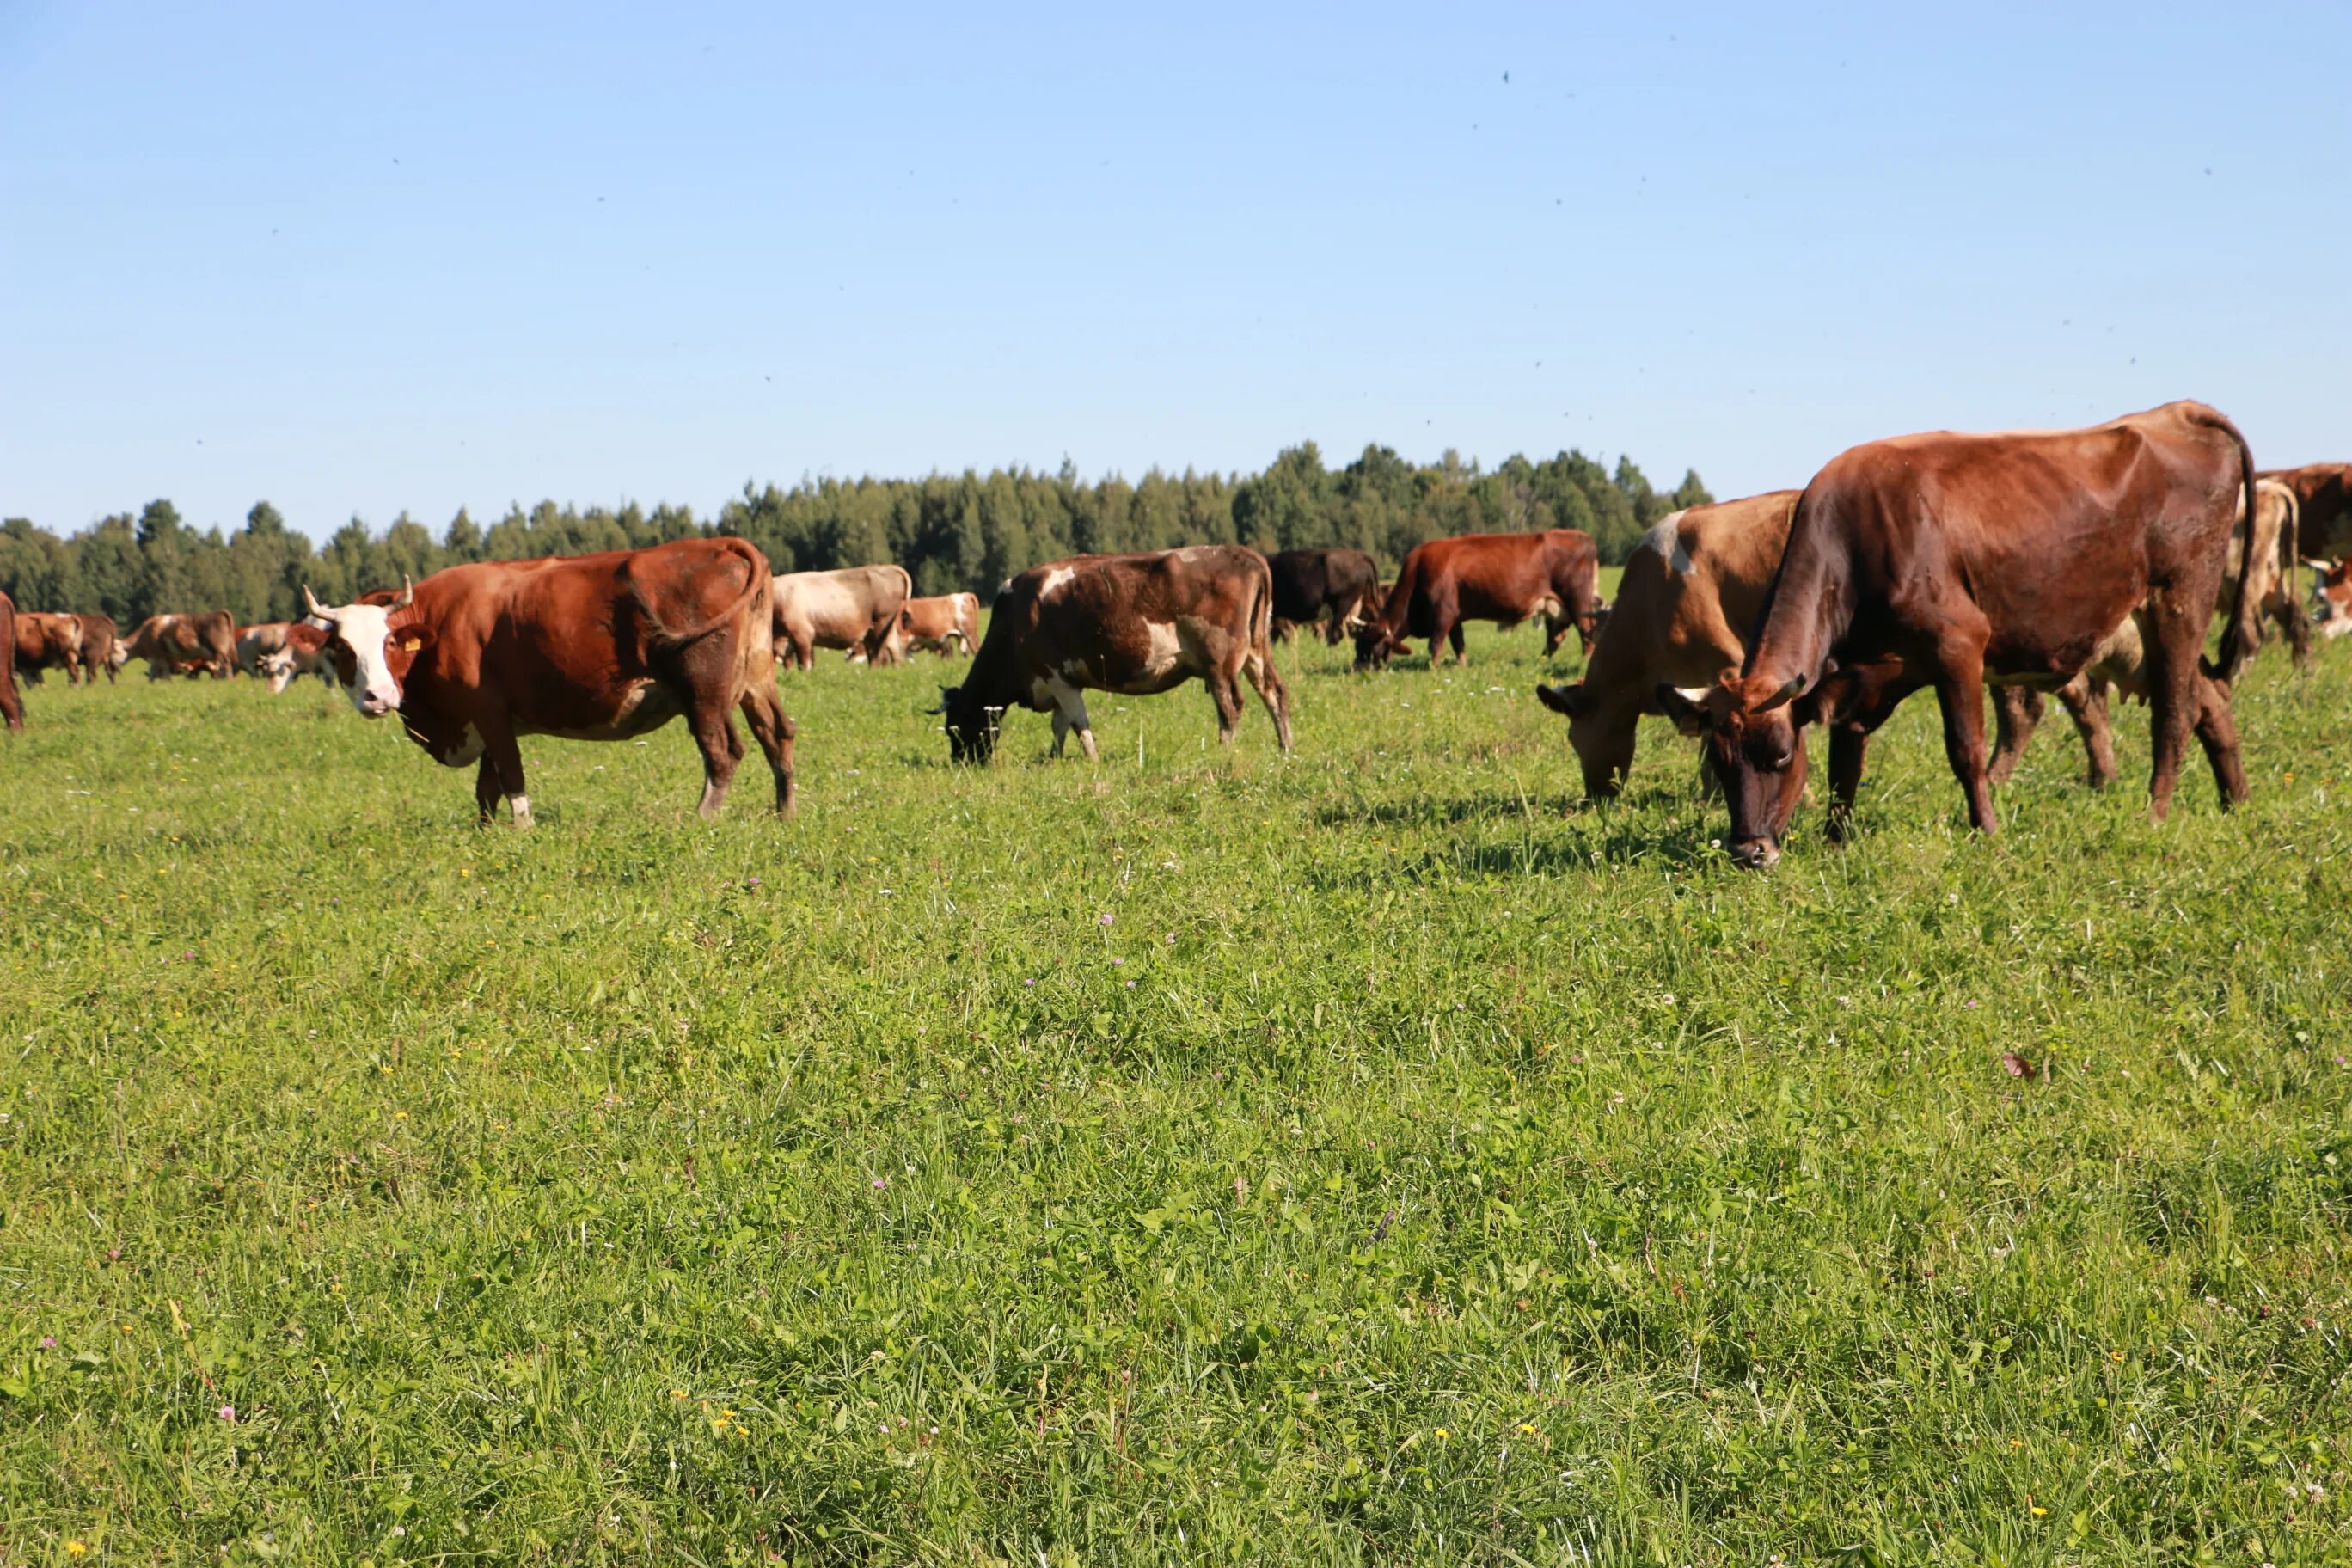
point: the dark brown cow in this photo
(1336, 587)
(98, 648)
(935, 623)
(854, 607)
(589, 647)
(12, 707)
(166, 641)
(46, 641)
(1692, 589)
(1500, 577)
(1136, 624)
(2323, 493)
(1942, 559)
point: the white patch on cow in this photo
(522, 804)
(277, 669)
(1166, 652)
(1666, 542)
(366, 628)
(468, 749)
(1055, 581)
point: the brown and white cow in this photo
(934, 623)
(99, 650)
(1136, 624)
(1505, 578)
(46, 641)
(2322, 493)
(1691, 591)
(260, 648)
(588, 648)
(12, 707)
(167, 641)
(1943, 559)
(1339, 589)
(854, 607)
(2121, 660)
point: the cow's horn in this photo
(2318, 563)
(311, 601)
(408, 593)
(1795, 689)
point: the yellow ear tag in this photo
(410, 642)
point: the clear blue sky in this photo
(362, 258)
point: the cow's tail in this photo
(2244, 633)
(754, 597)
(1261, 612)
(2290, 577)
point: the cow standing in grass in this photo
(46, 641)
(12, 707)
(1942, 559)
(1339, 588)
(170, 642)
(855, 607)
(1505, 578)
(98, 648)
(1134, 625)
(934, 623)
(589, 647)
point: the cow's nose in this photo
(1755, 854)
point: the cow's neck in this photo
(1804, 615)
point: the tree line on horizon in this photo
(951, 531)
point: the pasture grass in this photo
(1345, 1158)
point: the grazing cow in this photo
(12, 707)
(208, 640)
(46, 641)
(258, 642)
(854, 608)
(935, 623)
(1691, 591)
(2122, 657)
(99, 650)
(2335, 592)
(2323, 492)
(1941, 558)
(1500, 577)
(1333, 587)
(589, 647)
(1135, 625)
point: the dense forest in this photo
(960, 531)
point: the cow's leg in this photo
(2172, 640)
(1267, 682)
(1070, 713)
(2217, 731)
(500, 753)
(486, 791)
(1960, 692)
(1225, 690)
(2016, 712)
(1454, 640)
(2085, 701)
(1849, 749)
(772, 729)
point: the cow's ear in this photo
(307, 637)
(1836, 697)
(412, 639)
(1688, 706)
(1569, 700)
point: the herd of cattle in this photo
(2070, 562)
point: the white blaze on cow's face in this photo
(369, 654)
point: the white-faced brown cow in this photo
(589, 647)
(935, 623)
(854, 607)
(1505, 578)
(207, 641)
(2121, 661)
(46, 641)
(1136, 624)
(1943, 560)
(1691, 591)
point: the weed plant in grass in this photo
(1351, 1157)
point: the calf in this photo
(12, 707)
(46, 641)
(1505, 578)
(854, 608)
(1335, 587)
(1691, 591)
(1941, 558)
(208, 640)
(935, 623)
(590, 647)
(1136, 624)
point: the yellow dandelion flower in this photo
(678, 1394)
(2038, 1511)
(2115, 1355)
(2017, 1442)
(75, 1548)
(1443, 1433)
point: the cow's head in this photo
(1598, 731)
(1754, 746)
(2333, 597)
(370, 647)
(1375, 647)
(276, 670)
(970, 724)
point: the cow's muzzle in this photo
(1755, 854)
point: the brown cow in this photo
(1691, 591)
(98, 648)
(46, 641)
(166, 641)
(935, 623)
(1500, 577)
(1137, 625)
(1941, 558)
(589, 647)
(1334, 588)
(12, 707)
(2322, 491)
(2121, 658)
(854, 607)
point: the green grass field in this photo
(1350, 1157)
